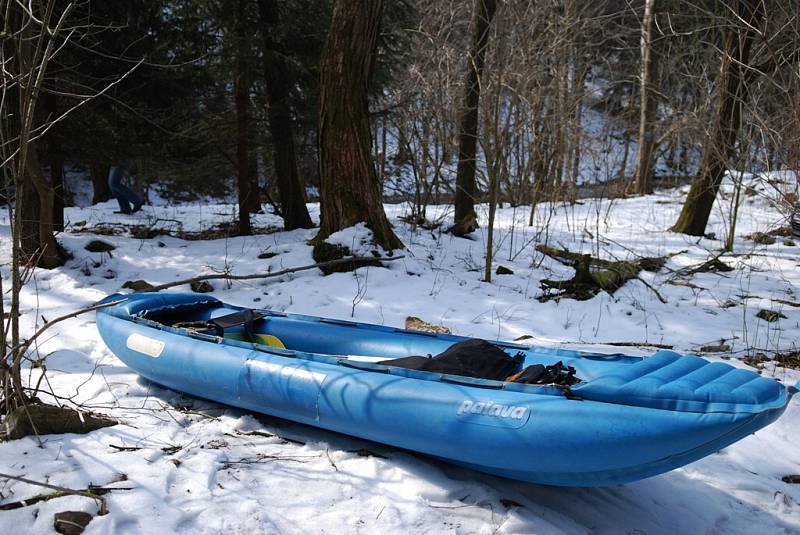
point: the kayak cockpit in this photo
(370, 348)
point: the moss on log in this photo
(51, 420)
(593, 275)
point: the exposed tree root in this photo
(465, 226)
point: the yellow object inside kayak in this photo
(264, 339)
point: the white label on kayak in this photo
(147, 346)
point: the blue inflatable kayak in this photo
(630, 417)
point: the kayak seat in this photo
(670, 381)
(236, 326)
(243, 325)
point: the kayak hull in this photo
(524, 432)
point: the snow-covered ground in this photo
(193, 466)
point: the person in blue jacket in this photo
(129, 201)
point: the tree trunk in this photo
(350, 191)
(56, 161)
(28, 205)
(241, 96)
(37, 241)
(252, 175)
(57, 180)
(721, 141)
(35, 195)
(466, 220)
(623, 168)
(100, 190)
(276, 74)
(648, 106)
(494, 186)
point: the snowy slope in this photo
(197, 467)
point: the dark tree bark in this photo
(290, 188)
(241, 97)
(37, 241)
(720, 145)
(350, 190)
(466, 219)
(28, 205)
(252, 174)
(56, 161)
(100, 190)
(57, 180)
(35, 195)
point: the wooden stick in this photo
(103, 509)
(660, 297)
(96, 491)
(786, 302)
(23, 346)
(637, 344)
(229, 276)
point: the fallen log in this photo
(592, 275)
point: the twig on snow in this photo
(97, 491)
(787, 302)
(330, 460)
(102, 509)
(230, 276)
(660, 297)
(633, 344)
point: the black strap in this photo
(245, 318)
(539, 374)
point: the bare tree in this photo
(26, 54)
(466, 221)
(34, 34)
(29, 46)
(648, 104)
(242, 100)
(746, 24)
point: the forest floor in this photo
(193, 466)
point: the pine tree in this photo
(278, 84)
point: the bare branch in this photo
(229, 276)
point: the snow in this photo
(193, 466)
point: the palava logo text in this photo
(490, 408)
